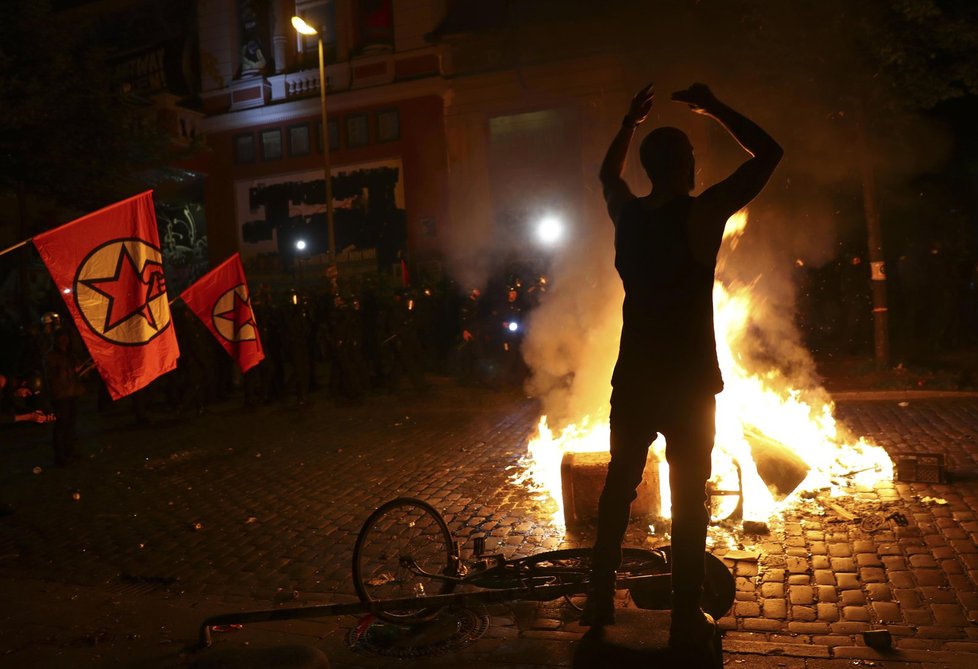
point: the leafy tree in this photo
(928, 49)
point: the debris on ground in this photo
(756, 527)
(845, 515)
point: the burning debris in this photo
(781, 469)
(776, 438)
(756, 527)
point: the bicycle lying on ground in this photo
(407, 567)
(405, 550)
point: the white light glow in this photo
(301, 244)
(550, 229)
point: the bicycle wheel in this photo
(402, 534)
(719, 587)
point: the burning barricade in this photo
(774, 441)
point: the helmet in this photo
(51, 320)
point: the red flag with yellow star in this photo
(221, 300)
(109, 269)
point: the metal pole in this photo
(881, 328)
(330, 228)
(14, 247)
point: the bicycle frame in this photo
(659, 583)
(541, 577)
(466, 575)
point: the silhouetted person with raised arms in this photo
(667, 373)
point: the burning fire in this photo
(773, 441)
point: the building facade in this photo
(453, 127)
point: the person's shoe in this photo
(599, 610)
(691, 629)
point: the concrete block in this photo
(582, 479)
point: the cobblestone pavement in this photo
(118, 558)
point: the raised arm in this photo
(746, 182)
(616, 191)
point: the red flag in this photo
(221, 300)
(109, 270)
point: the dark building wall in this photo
(420, 146)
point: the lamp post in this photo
(304, 28)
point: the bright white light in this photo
(550, 229)
(513, 326)
(301, 244)
(66, 291)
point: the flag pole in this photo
(89, 215)
(15, 247)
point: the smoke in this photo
(467, 245)
(468, 251)
(572, 342)
(801, 71)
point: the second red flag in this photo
(220, 299)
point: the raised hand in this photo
(641, 106)
(699, 97)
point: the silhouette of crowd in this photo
(342, 345)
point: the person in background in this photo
(13, 405)
(63, 373)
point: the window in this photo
(317, 13)
(271, 144)
(334, 135)
(299, 140)
(357, 130)
(388, 125)
(244, 149)
(374, 24)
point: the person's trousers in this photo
(63, 429)
(689, 426)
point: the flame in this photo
(758, 411)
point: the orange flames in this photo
(760, 416)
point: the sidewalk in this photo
(116, 562)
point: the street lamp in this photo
(304, 28)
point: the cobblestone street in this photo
(117, 559)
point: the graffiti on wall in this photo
(183, 241)
(274, 213)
